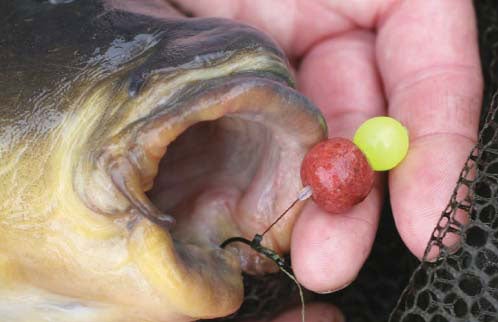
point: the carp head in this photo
(131, 148)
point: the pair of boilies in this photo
(340, 172)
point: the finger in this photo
(340, 76)
(295, 25)
(276, 18)
(315, 312)
(428, 58)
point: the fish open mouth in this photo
(234, 166)
(218, 159)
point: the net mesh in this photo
(462, 283)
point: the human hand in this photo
(416, 61)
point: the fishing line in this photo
(255, 244)
(304, 194)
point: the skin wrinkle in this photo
(363, 14)
(471, 139)
(322, 39)
(443, 111)
(359, 219)
(350, 42)
(345, 128)
(383, 14)
(372, 22)
(429, 72)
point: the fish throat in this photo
(214, 178)
(217, 166)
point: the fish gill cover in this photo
(461, 284)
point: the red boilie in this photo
(338, 173)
